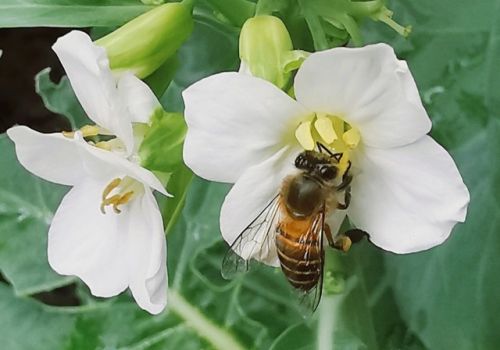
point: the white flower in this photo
(108, 229)
(407, 192)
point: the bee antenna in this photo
(323, 148)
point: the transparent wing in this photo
(310, 299)
(256, 241)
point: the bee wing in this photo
(309, 300)
(256, 241)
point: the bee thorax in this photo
(303, 196)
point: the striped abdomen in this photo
(299, 252)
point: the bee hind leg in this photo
(340, 242)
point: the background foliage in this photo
(445, 298)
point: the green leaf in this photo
(68, 13)
(60, 98)
(449, 294)
(26, 208)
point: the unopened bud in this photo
(265, 45)
(146, 42)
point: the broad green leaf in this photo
(212, 48)
(59, 98)
(449, 295)
(27, 205)
(68, 13)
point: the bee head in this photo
(327, 172)
(318, 165)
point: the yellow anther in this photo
(109, 201)
(122, 200)
(104, 145)
(87, 130)
(124, 192)
(90, 130)
(304, 135)
(324, 127)
(68, 134)
(110, 187)
(351, 137)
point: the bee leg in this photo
(347, 199)
(356, 235)
(346, 181)
(340, 242)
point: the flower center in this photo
(330, 131)
(98, 137)
(119, 192)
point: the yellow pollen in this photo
(332, 132)
(87, 131)
(118, 199)
(351, 138)
(304, 136)
(325, 129)
(103, 145)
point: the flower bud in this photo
(264, 43)
(146, 42)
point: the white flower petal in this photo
(255, 189)
(67, 161)
(105, 163)
(87, 67)
(235, 121)
(138, 98)
(147, 253)
(86, 243)
(111, 252)
(49, 156)
(369, 88)
(408, 198)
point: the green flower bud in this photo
(266, 50)
(146, 42)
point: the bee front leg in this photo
(347, 199)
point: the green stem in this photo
(217, 336)
(178, 209)
(385, 15)
(353, 29)
(364, 8)
(236, 11)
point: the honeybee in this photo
(292, 225)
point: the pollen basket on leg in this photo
(119, 192)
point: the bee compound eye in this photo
(301, 161)
(328, 172)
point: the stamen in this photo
(110, 187)
(325, 129)
(125, 188)
(351, 137)
(87, 131)
(122, 200)
(304, 135)
(385, 15)
(103, 145)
